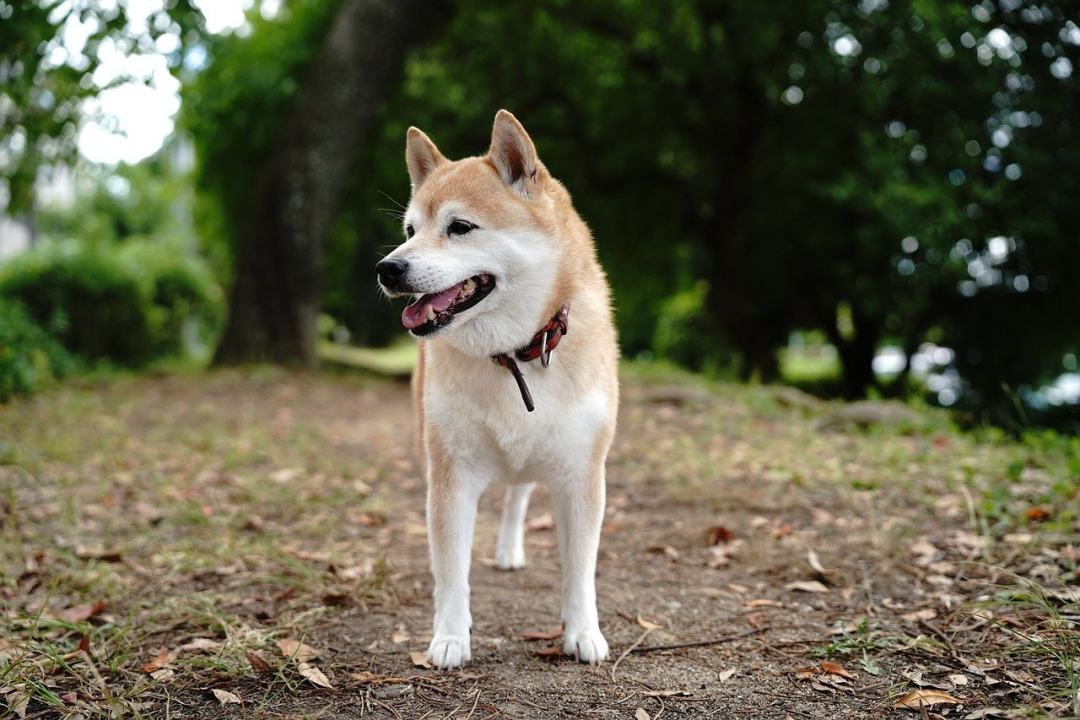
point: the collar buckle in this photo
(545, 351)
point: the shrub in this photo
(125, 306)
(29, 357)
(682, 335)
(188, 306)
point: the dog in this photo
(517, 377)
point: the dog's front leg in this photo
(579, 507)
(451, 514)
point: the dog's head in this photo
(481, 242)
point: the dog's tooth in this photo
(430, 313)
(470, 285)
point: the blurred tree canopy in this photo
(308, 88)
(883, 172)
(49, 53)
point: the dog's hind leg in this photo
(510, 547)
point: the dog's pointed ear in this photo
(421, 156)
(513, 154)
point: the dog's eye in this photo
(460, 227)
(409, 231)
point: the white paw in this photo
(510, 558)
(447, 652)
(588, 646)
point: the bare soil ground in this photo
(251, 544)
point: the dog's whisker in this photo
(391, 199)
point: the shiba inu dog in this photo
(517, 378)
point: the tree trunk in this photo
(274, 302)
(857, 355)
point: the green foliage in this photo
(29, 356)
(128, 202)
(46, 74)
(804, 162)
(124, 306)
(680, 333)
(234, 109)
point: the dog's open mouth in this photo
(436, 310)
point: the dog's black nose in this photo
(391, 271)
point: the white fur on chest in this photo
(479, 413)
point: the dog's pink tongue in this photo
(415, 315)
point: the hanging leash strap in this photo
(543, 342)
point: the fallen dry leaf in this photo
(553, 633)
(642, 714)
(1020, 676)
(70, 697)
(809, 586)
(925, 551)
(647, 624)
(84, 644)
(924, 614)
(815, 563)
(336, 599)
(419, 659)
(292, 648)
(727, 674)
(544, 522)
(258, 662)
(163, 658)
(97, 553)
(1039, 513)
(762, 602)
(202, 645)
(253, 523)
(918, 699)
(665, 550)
(368, 520)
(399, 636)
(313, 675)
(553, 651)
(721, 555)
(79, 613)
(225, 697)
(833, 668)
(719, 535)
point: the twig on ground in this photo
(391, 708)
(629, 650)
(700, 643)
(475, 703)
(940, 635)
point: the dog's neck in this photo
(542, 344)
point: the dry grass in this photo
(160, 536)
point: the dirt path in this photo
(185, 525)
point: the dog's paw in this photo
(447, 652)
(509, 558)
(588, 646)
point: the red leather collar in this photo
(543, 342)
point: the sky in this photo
(129, 122)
